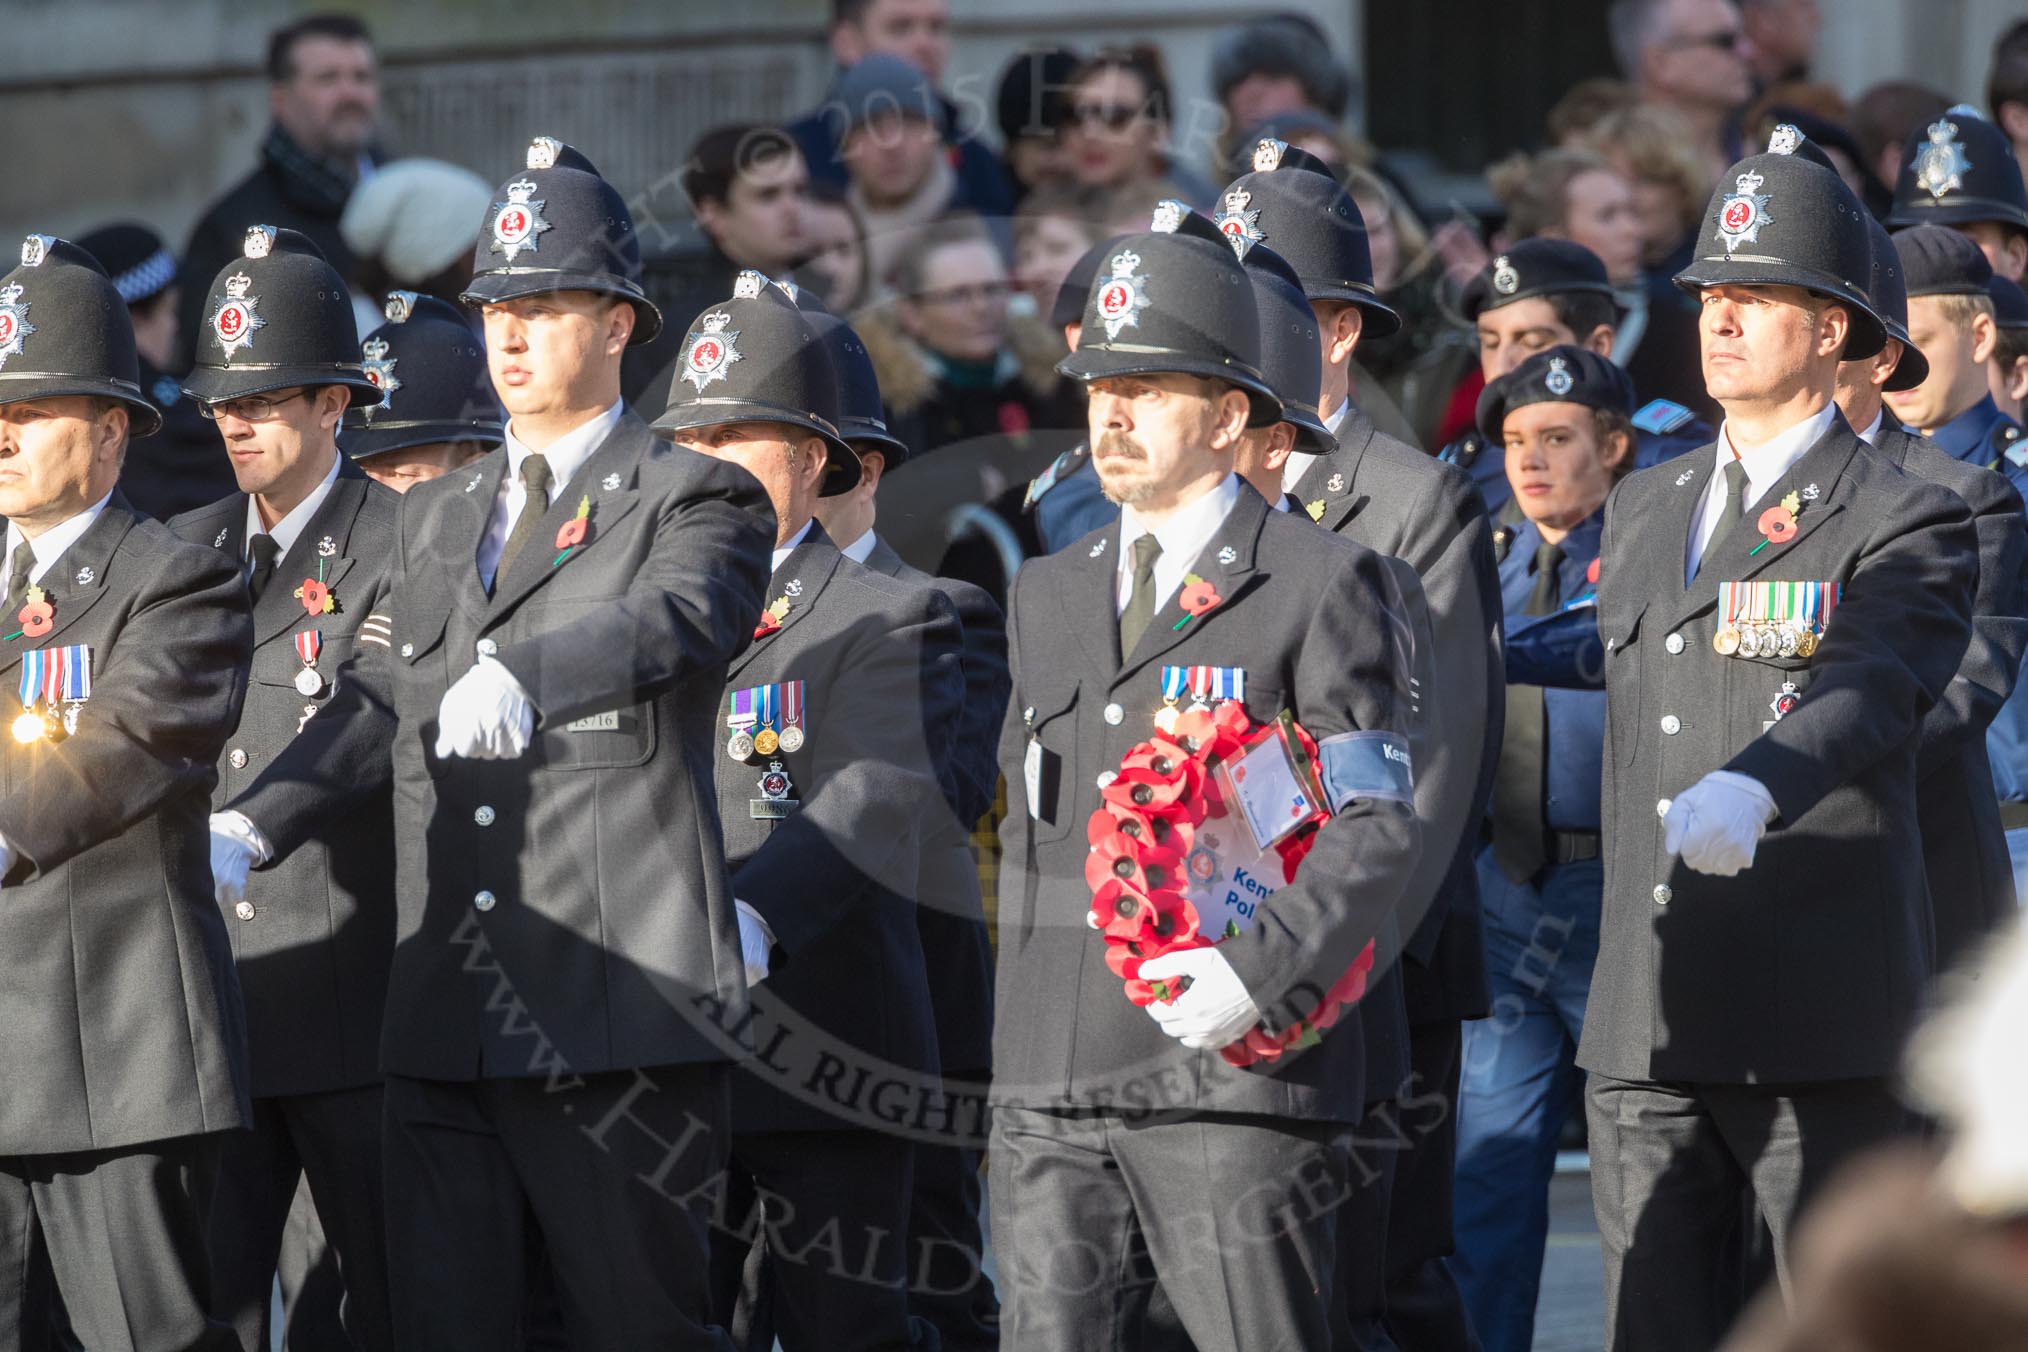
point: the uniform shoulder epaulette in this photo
(2012, 445)
(1503, 542)
(1661, 416)
(1464, 451)
(1059, 469)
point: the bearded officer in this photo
(1972, 738)
(1779, 611)
(125, 1053)
(1123, 1128)
(828, 769)
(314, 935)
(948, 1286)
(1390, 497)
(438, 412)
(554, 1051)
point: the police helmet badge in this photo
(380, 370)
(1743, 212)
(234, 322)
(14, 325)
(1558, 381)
(260, 241)
(1240, 225)
(709, 352)
(1168, 218)
(518, 221)
(1267, 154)
(542, 152)
(1120, 299)
(1506, 280)
(34, 249)
(400, 306)
(1784, 140)
(1941, 165)
(747, 286)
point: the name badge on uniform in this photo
(59, 680)
(774, 804)
(1203, 684)
(1773, 619)
(609, 721)
(1041, 772)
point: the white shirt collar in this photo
(1338, 416)
(1871, 436)
(1764, 465)
(859, 550)
(1182, 537)
(50, 545)
(291, 526)
(567, 454)
(1297, 465)
(783, 551)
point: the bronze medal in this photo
(766, 741)
(1806, 643)
(1726, 641)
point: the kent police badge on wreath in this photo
(1743, 212)
(1120, 299)
(518, 222)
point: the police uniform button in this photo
(1662, 806)
(1662, 894)
(244, 910)
(484, 901)
(1674, 643)
(408, 650)
(483, 815)
(1611, 643)
(1115, 715)
(1106, 777)
(237, 759)
(1671, 725)
(1028, 714)
(488, 648)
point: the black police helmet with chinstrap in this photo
(431, 370)
(1564, 374)
(1889, 293)
(1294, 204)
(1959, 170)
(1174, 303)
(756, 357)
(1781, 220)
(862, 416)
(1290, 347)
(64, 331)
(1534, 267)
(559, 226)
(1075, 292)
(277, 317)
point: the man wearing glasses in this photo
(1693, 58)
(313, 937)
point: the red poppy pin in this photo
(37, 616)
(1778, 523)
(771, 618)
(316, 596)
(1197, 598)
(574, 532)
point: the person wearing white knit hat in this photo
(411, 227)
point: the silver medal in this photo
(308, 682)
(792, 738)
(740, 745)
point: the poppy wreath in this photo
(1141, 838)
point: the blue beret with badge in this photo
(1564, 374)
(1534, 267)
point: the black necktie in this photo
(534, 504)
(1519, 823)
(1141, 600)
(266, 552)
(1734, 513)
(17, 577)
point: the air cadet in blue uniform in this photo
(1538, 294)
(1562, 418)
(1950, 317)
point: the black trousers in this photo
(811, 1244)
(1677, 1172)
(124, 1234)
(947, 1284)
(313, 1293)
(609, 1175)
(1235, 1216)
(1425, 1310)
(332, 1141)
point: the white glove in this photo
(1215, 1011)
(1717, 822)
(485, 715)
(755, 942)
(236, 846)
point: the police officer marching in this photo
(563, 612)
(825, 777)
(276, 369)
(125, 1053)
(437, 411)
(1766, 924)
(1123, 1127)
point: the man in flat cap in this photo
(567, 987)
(125, 650)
